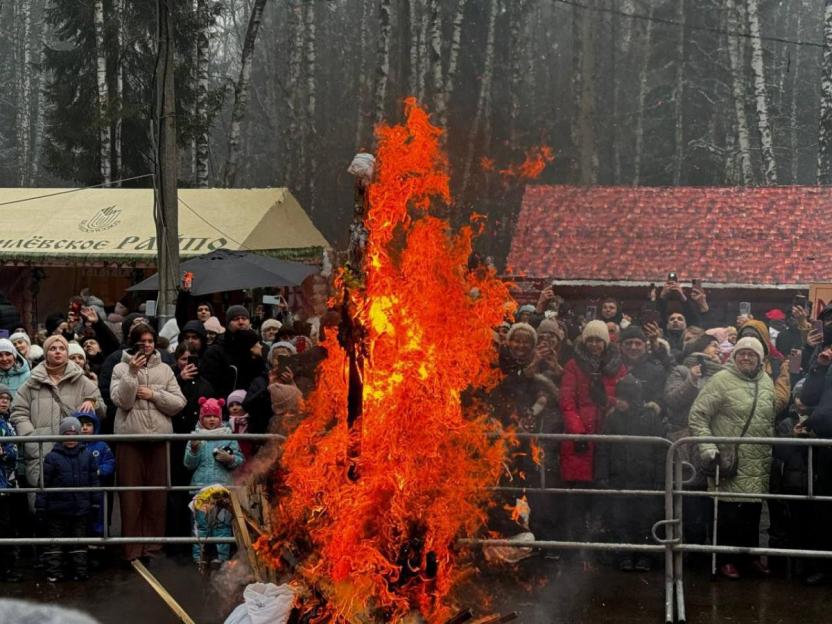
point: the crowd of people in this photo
(673, 370)
(666, 371)
(89, 372)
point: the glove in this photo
(710, 456)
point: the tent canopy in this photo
(106, 226)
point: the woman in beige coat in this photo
(55, 389)
(145, 391)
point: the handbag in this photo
(66, 410)
(728, 454)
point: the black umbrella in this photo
(223, 270)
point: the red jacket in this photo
(581, 415)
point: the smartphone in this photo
(697, 283)
(650, 316)
(799, 301)
(590, 312)
(672, 277)
(817, 325)
(795, 361)
(193, 359)
(745, 308)
(701, 360)
(270, 300)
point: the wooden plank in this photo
(163, 593)
(244, 537)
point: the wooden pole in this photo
(163, 593)
(166, 213)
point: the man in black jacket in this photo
(233, 361)
(648, 366)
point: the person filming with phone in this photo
(147, 395)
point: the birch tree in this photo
(293, 143)
(435, 54)
(738, 91)
(761, 95)
(642, 98)
(453, 62)
(825, 128)
(363, 83)
(385, 19)
(587, 152)
(241, 94)
(201, 136)
(679, 100)
(103, 120)
(24, 99)
(311, 103)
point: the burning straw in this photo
(380, 545)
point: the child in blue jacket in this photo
(212, 461)
(66, 514)
(90, 425)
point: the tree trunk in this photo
(103, 121)
(761, 96)
(628, 6)
(795, 86)
(241, 89)
(735, 60)
(424, 57)
(435, 53)
(201, 145)
(167, 164)
(24, 101)
(413, 57)
(587, 152)
(293, 144)
(39, 124)
(311, 104)
(363, 83)
(383, 60)
(484, 95)
(518, 9)
(679, 100)
(118, 99)
(642, 98)
(453, 62)
(825, 128)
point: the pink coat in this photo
(581, 415)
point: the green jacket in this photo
(721, 409)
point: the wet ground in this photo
(547, 592)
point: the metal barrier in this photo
(106, 539)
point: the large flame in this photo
(383, 543)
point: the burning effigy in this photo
(373, 497)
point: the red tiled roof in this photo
(754, 236)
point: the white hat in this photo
(20, 336)
(76, 349)
(596, 329)
(6, 346)
(749, 343)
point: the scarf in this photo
(607, 365)
(56, 372)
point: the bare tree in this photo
(587, 151)
(363, 83)
(118, 98)
(102, 109)
(201, 139)
(679, 100)
(311, 103)
(647, 49)
(435, 54)
(294, 160)
(825, 128)
(761, 95)
(24, 97)
(241, 93)
(737, 68)
(483, 100)
(385, 19)
(453, 63)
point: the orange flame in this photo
(425, 463)
(536, 160)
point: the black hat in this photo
(633, 331)
(698, 345)
(235, 311)
(630, 389)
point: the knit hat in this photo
(6, 346)
(76, 349)
(285, 398)
(698, 345)
(210, 407)
(720, 333)
(235, 311)
(20, 336)
(630, 389)
(270, 324)
(213, 325)
(69, 425)
(522, 327)
(4, 389)
(52, 340)
(52, 321)
(596, 329)
(749, 343)
(528, 308)
(238, 396)
(630, 332)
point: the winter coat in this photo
(207, 470)
(35, 410)
(188, 417)
(651, 371)
(817, 394)
(775, 365)
(680, 390)
(581, 414)
(136, 415)
(101, 451)
(721, 409)
(17, 375)
(633, 466)
(228, 367)
(65, 467)
(8, 460)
